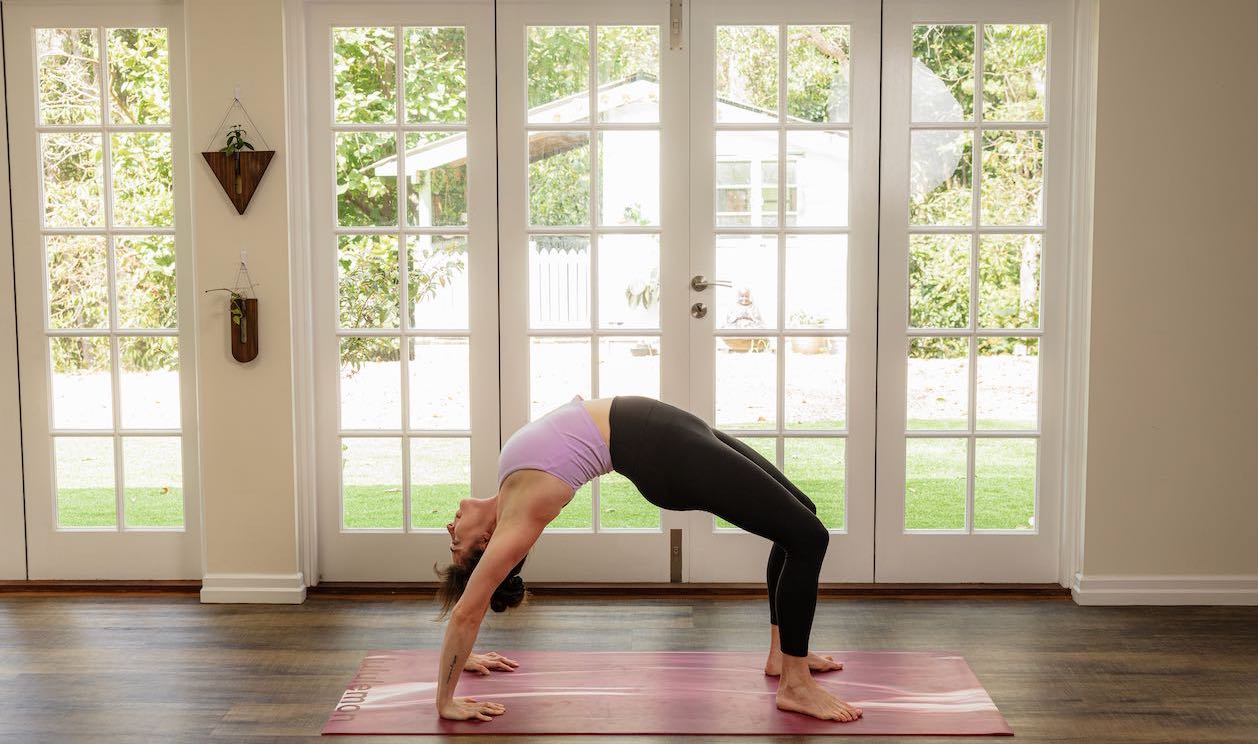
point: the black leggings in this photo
(679, 462)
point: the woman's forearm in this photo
(460, 636)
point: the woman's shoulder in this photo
(533, 494)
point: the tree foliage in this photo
(137, 92)
(433, 90)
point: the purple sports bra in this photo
(565, 443)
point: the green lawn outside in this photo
(94, 507)
(1004, 496)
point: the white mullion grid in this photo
(73, 128)
(394, 332)
(585, 332)
(779, 338)
(980, 332)
(596, 187)
(981, 230)
(976, 170)
(338, 127)
(583, 231)
(978, 433)
(114, 231)
(795, 230)
(92, 332)
(107, 191)
(427, 433)
(785, 433)
(402, 266)
(792, 122)
(966, 125)
(617, 126)
(438, 230)
(393, 230)
(108, 231)
(101, 432)
(788, 332)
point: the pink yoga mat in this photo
(667, 692)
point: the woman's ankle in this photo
(795, 671)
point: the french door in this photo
(405, 265)
(592, 209)
(783, 218)
(104, 300)
(685, 201)
(975, 200)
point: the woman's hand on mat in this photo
(482, 663)
(466, 708)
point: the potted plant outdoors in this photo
(645, 295)
(809, 344)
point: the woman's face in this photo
(464, 532)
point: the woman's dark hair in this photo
(454, 578)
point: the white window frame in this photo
(598, 553)
(1078, 255)
(329, 551)
(713, 553)
(12, 504)
(115, 552)
(973, 555)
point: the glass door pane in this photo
(591, 104)
(973, 219)
(783, 165)
(402, 144)
(100, 281)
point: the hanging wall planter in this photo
(243, 314)
(238, 165)
(244, 311)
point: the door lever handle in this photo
(699, 283)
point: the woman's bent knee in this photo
(813, 540)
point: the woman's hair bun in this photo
(508, 594)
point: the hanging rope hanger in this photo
(236, 104)
(238, 170)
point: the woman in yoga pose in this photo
(678, 462)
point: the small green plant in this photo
(236, 141)
(238, 316)
(236, 144)
(237, 306)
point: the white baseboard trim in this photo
(253, 589)
(1165, 590)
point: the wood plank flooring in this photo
(106, 668)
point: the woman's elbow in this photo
(466, 614)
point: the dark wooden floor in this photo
(166, 668)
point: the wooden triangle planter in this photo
(239, 174)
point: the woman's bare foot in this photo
(798, 692)
(811, 700)
(816, 663)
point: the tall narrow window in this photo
(782, 117)
(400, 153)
(976, 229)
(107, 230)
(594, 230)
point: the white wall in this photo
(246, 410)
(12, 518)
(1172, 483)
